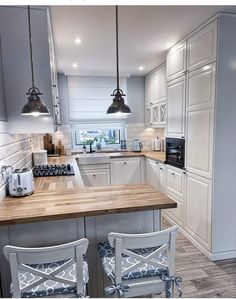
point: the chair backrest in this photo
(162, 240)
(24, 259)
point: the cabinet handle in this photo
(54, 85)
(184, 172)
(182, 137)
(94, 175)
(125, 163)
(172, 173)
(161, 168)
(156, 162)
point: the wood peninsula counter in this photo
(62, 210)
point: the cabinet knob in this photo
(172, 173)
(125, 162)
(161, 168)
(156, 162)
(184, 172)
(54, 85)
(182, 137)
(94, 175)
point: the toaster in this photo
(21, 182)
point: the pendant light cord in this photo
(117, 54)
(31, 53)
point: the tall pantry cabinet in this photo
(205, 64)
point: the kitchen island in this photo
(62, 210)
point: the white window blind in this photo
(89, 97)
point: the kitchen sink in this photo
(94, 158)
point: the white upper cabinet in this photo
(155, 98)
(201, 47)
(176, 61)
(200, 121)
(176, 108)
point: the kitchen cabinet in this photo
(201, 47)
(155, 98)
(175, 181)
(175, 189)
(95, 175)
(200, 120)
(176, 108)
(209, 198)
(153, 173)
(125, 171)
(16, 67)
(198, 209)
(176, 61)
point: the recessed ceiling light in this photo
(74, 65)
(77, 40)
(140, 68)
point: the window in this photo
(104, 136)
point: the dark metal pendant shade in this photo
(118, 105)
(34, 106)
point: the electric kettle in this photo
(137, 145)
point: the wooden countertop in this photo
(81, 202)
(160, 156)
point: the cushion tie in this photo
(176, 279)
(111, 290)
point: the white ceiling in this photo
(145, 32)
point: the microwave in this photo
(175, 151)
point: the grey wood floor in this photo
(201, 277)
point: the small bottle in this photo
(124, 144)
(84, 149)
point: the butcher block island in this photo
(63, 210)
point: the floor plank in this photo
(201, 277)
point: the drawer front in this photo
(175, 182)
(96, 178)
(176, 214)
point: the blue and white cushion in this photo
(51, 287)
(106, 253)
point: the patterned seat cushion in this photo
(50, 287)
(106, 253)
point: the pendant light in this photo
(34, 106)
(118, 105)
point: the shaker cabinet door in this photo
(176, 108)
(198, 209)
(200, 121)
(176, 61)
(202, 47)
(125, 171)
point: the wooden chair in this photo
(48, 271)
(140, 264)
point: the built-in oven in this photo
(175, 149)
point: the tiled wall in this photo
(140, 131)
(134, 130)
(15, 151)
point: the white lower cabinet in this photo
(153, 173)
(125, 171)
(175, 181)
(198, 209)
(175, 189)
(95, 175)
(176, 214)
